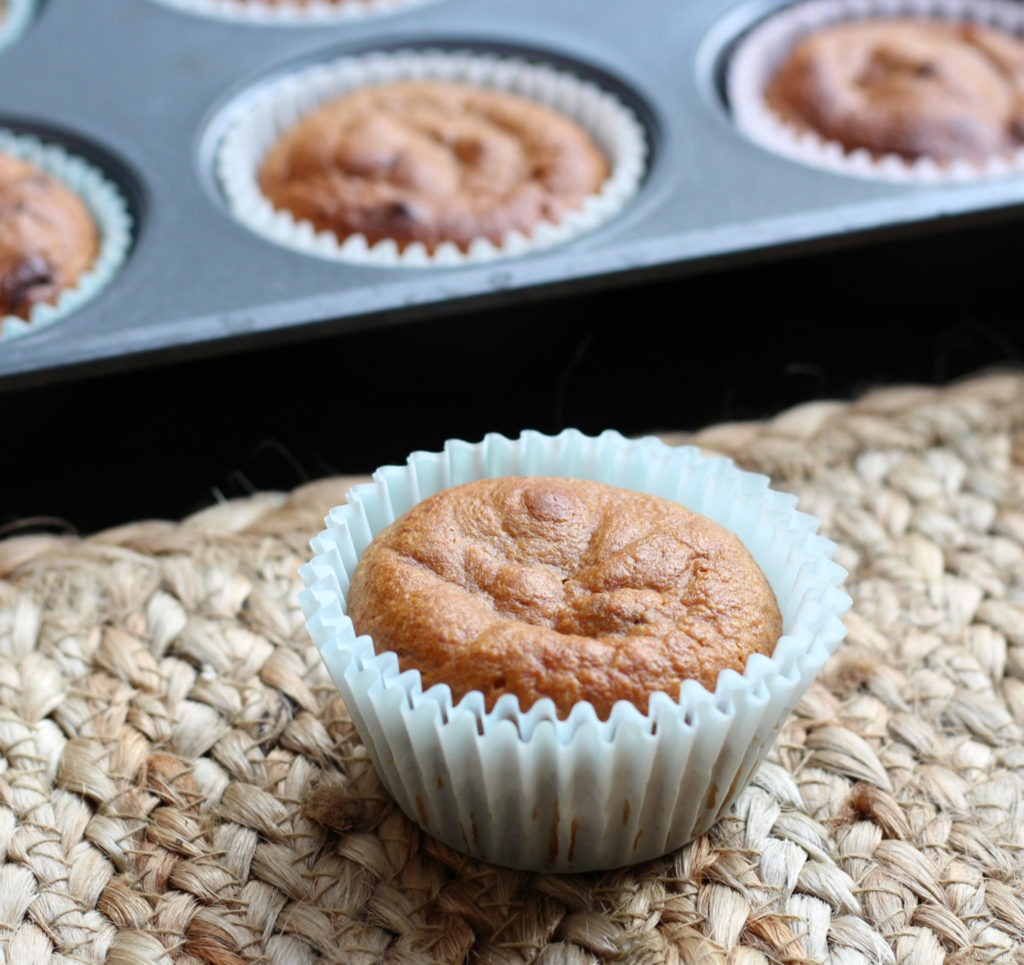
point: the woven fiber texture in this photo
(180, 782)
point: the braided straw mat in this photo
(179, 781)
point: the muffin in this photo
(432, 161)
(411, 158)
(565, 589)
(48, 238)
(534, 788)
(892, 90)
(65, 232)
(916, 87)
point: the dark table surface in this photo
(675, 353)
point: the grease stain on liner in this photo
(256, 121)
(294, 14)
(759, 52)
(109, 210)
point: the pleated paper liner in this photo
(264, 116)
(528, 790)
(760, 51)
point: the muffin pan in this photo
(145, 90)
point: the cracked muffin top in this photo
(432, 161)
(562, 588)
(915, 87)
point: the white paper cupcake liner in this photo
(296, 14)
(109, 210)
(530, 791)
(15, 16)
(758, 54)
(258, 122)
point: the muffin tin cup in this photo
(758, 54)
(526, 789)
(109, 210)
(15, 16)
(279, 105)
(293, 14)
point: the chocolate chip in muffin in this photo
(48, 239)
(27, 282)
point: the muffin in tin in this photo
(48, 238)
(426, 158)
(430, 161)
(66, 231)
(889, 90)
(519, 782)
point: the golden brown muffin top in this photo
(914, 87)
(431, 161)
(562, 588)
(47, 237)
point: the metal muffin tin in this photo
(136, 87)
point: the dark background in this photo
(675, 353)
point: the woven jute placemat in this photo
(179, 781)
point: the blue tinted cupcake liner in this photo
(526, 789)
